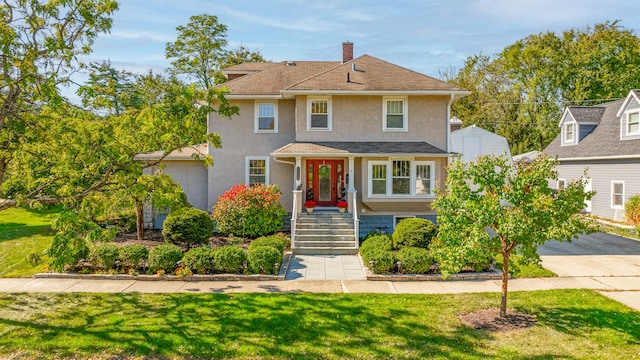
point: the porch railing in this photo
(294, 216)
(356, 220)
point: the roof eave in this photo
(609, 157)
(346, 153)
(457, 93)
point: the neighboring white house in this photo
(472, 141)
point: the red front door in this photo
(325, 181)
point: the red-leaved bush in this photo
(249, 211)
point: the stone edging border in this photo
(214, 277)
(496, 275)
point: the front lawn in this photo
(571, 324)
(24, 231)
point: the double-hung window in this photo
(401, 178)
(319, 113)
(394, 114)
(256, 170)
(266, 117)
(617, 194)
(569, 133)
(633, 123)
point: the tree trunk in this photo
(3, 166)
(140, 222)
(505, 281)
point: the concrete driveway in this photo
(598, 254)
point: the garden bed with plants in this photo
(405, 256)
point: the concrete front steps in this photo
(325, 233)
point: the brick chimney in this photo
(347, 51)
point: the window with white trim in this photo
(266, 117)
(633, 123)
(394, 114)
(569, 133)
(562, 183)
(256, 170)
(319, 113)
(401, 178)
(617, 194)
(398, 218)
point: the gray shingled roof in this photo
(361, 148)
(587, 114)
(603, 141)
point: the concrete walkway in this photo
(325, 267)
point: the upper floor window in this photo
(394, 114)
(266, 117)
(633, 123)
(569, 133)
(401, 177)
(257, 170)
(617, 194)
(319, 114)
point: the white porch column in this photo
(297, 174)
(351, 171)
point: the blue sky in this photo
(429, 36)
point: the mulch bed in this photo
(490, 320)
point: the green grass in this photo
(571, 324)
(22, 232)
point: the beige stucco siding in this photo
(359, 118)
(239, 141)
(192, 177)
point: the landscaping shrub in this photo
(262, 259)
(105, 255)
(632, 210)
(413, 232)
(164, 257)
(375, 242)
(415, 260)
(274, 241)
(133, 255)
(384, 260)
(229, 259)
(199, 260)
(189, 225)
(249, 211)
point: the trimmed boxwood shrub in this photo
(415, 260)
(262, 259)
(249, 211)
(229, 259)
(199, 260)
(384, 260)
(133, 255)
(273, 241)
(380, 241)
(105, 255)
(414, 232)
(164, 257)
(189, 225)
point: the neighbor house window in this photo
(562, 183)
(401, 177)
(257, 170)
(394, 114)
(617, 194)
(633, 123)
(319, 114)
(266, 117)
(569, 133)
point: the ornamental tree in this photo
(491, 208)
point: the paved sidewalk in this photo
(325, 267)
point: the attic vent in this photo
(291, 63)
(353, 67)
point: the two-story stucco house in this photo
(605, 139)
(363, 130)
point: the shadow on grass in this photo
(222, 326)
(13, 231)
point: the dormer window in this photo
(633, 123)
(569, 133)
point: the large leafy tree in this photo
(109, 90)
(39, 44)
(200, 51)
(521, 92)
(490, 208)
